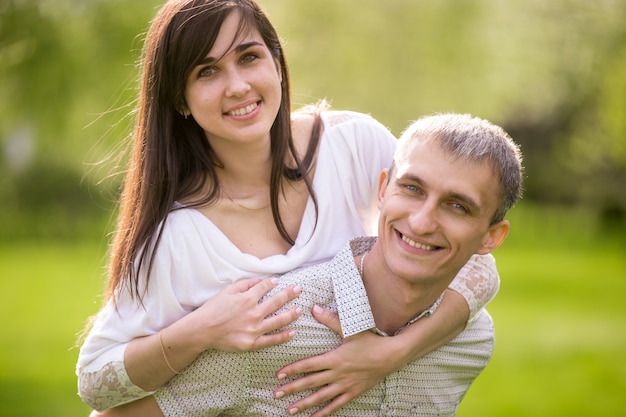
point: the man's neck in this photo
(393, 301)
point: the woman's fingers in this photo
(244, 285)
(332, 392)
(328, 319)
(276, 301)
(323, 395)
(270, 323)
(307, 366)
(272, 339)
(237, 320)
(307, 382)
(280, 320)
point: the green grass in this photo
(560, 322)
(48, 291)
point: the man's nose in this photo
(423, 218)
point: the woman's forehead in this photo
(235, 30)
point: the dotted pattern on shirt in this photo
(226, 383)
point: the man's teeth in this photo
(418, 245)
(243, 111)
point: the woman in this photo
(226, 183)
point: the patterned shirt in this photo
(242, 383)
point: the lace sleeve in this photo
(108, 387)
(478, 282)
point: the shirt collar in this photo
(353, 308)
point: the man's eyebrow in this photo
(470, 202)
(464, 198)
(238, 49)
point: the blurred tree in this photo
(576, 149)
(552, 73)
(61, 61)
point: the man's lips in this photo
(418, 245)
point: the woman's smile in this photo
(244, 111)
(234, 94)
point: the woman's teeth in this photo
(243, 111)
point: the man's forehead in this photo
(412, 152)
(427, 164)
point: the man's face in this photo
(436, 213)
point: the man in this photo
(444, 199)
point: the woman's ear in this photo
(494, 237)
(184, 111)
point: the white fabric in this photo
(194, 259)
(242, 383)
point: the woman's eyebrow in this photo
(238, 49)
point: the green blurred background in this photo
(553, 73)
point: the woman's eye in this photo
(247, 58)
(207, 72)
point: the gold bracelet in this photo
(164, 355)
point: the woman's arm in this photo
(232, 320)
(363, 360)
(145, 407)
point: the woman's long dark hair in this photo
(171, 158)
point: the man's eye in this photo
(412, 188)
(459, 207)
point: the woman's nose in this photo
(237, 85)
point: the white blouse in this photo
(194, 259)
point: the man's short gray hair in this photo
(473, 139)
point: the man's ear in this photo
(383, 181)
(494, 237)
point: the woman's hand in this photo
(341, 374)
(233, 320)
(236, 321)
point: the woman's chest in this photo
(255, 231)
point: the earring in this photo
(184, 111)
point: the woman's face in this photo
(234, 94)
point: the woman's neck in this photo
(245, 166)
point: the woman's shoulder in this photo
(333, 118)
(357, 128)
(181, 220)
(302, 123)
(305, 117)
(343, 129)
